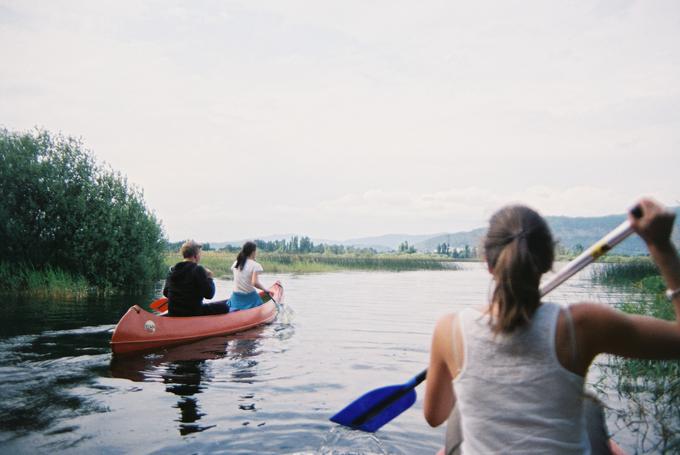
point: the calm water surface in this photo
(267, 390)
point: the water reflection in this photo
(186, 371)
(183, 379)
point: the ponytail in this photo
(518, 249)
(243, 255)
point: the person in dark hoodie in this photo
(188, 283)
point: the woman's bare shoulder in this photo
(593, 315)
(444, 324)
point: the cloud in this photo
(354, 115)
(377, 212)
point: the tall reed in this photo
(47, 282)
(220, 262)
(625, 273)
(652, 387)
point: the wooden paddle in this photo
(378, 407)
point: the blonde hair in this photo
(190, 249)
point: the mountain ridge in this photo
(570, 232)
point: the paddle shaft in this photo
(606, 243)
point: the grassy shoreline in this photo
(48, 282)
(652, 387)
(56, 283)
(220, 262)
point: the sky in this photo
(344, 119)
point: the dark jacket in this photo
(186, 286)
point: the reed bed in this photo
(626, 273)
(49, 282)
(220, 262)
(652, 387)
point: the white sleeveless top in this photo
(243, 278)
(514, 395)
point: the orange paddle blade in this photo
(160, 304)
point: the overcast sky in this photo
(340, 119)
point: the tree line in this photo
(404, 247)
(296, 244)
(465, 252)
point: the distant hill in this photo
(386, 242)
(266, 238)
(568, 231)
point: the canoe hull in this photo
(140, 330)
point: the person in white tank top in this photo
(246, 279)
(517, 365)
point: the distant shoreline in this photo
(220, 262)
(54, 283)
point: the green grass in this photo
(652, 387)
(220, 262)
(49, 282)
(629, 273)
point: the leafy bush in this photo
(59, 209)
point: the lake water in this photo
(267, 390)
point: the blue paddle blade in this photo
(377, 407)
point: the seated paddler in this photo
(246, 279)
(188, 283)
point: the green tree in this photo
(306, 245)
(58, 208)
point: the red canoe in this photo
(140, 330)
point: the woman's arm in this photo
(602, 329)
(439, 395)
(255, 281)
